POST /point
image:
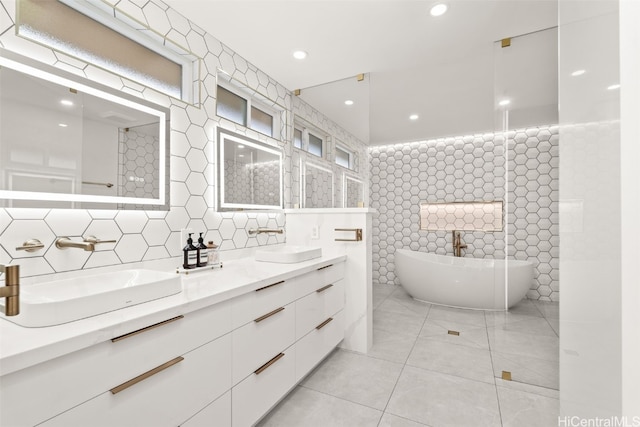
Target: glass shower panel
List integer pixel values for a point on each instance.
(526, 119)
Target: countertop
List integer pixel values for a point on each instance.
(22, 347)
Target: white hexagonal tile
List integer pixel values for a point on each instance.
(102, 259)
(67, 259)
(196, 183)
(19, 231)
(68, 222)
(131, 248)
(24, 213)
(156, 232)
(196, 207)
(5, 220)
(177, 218)
(156, 252)
(104, 230)
(131, 221)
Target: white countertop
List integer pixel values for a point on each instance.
(21, 347)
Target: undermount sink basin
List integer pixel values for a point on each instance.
(61, 301)
(288, 254)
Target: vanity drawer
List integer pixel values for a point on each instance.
(323, 276)
(259, 392)
(314, 346)
(166, 398)
(217, 414)
(263, 300)
(318, 306)
(260, 339)
(37, 393)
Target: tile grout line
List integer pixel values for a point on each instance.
(404, 365)
(493, 371)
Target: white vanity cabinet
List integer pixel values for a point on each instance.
(226, 364)
(31, 396)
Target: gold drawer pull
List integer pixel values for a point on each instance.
(326, 266)
(266, 316)
(147, 328)
(262, 368)
(269, 286)
(325, 323)
(324, 288)
(146, 375)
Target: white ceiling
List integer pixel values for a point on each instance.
(442, 69)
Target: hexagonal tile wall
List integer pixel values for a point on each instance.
(470, 168)
(144, 233)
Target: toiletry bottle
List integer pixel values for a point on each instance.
(190, 254)
(213, 256)
(202, 252)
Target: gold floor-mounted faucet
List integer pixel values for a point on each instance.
(458, 246)
(11, 290)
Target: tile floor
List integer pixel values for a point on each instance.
(417, 374)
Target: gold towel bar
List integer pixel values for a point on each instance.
(357, 231)
(146, 375)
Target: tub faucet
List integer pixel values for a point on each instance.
(457, 244)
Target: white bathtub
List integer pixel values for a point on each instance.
(462, 282)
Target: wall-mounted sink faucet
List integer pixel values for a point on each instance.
(11, 290)
(88, 244)
(457, 244)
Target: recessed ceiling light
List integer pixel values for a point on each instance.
(66, 102)
(438, 9)
(299, 54)
(240, 146)
(63, 125)
(504, 102)
(348, 102)
(578, 73)
(240, 155)
(614, 87)
(413, 117)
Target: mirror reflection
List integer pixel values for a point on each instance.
(318, 186)
(70, 144)
(250, 173)
(353, 193)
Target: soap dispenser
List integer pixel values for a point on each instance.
(190, 254)
(202, 252)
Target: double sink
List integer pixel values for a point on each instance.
(60, 301)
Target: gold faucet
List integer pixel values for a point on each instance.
(265, 230)
(457, 244)
(11, 290)
(88, 244)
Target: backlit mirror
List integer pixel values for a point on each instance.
(317, 184)
(67, 142)
(249, 173)
(353, 192)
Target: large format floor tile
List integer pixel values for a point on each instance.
(380, 293)
(391, 346)
(527, 369)
(408, 324)
(520, 409)
(389, 420)
(468, 334)
(355, 377)
(508, 321)
(511, 342)
(310, 408)
(404, 306)
(438, 399)
(453, 359)
(457, 315)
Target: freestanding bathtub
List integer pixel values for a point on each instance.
(462, 282)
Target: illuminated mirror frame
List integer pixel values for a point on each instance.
(226, 135)
(345, 195)
(54, 75)
(303, 182)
